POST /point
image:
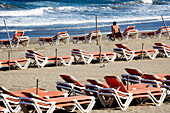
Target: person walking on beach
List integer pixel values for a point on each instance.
(116, 33)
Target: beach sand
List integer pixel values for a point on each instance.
(48, 76)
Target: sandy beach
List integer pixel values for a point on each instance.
(48, 76)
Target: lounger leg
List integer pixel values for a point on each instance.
(66, 64)
(166, 51)
(23, 67)
(156, 101)
(88, 109)
(154, 55)
(107, 58)
(105, 102)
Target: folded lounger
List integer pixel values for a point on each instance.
(61, 36)
(55, 103)
(88, 38)
(41, 60)
(158, 33)
(18, 38)
(129, 54)
(16, 62)
(163, 49)
(79, 55)
(124, 96)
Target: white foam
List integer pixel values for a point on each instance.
(28, 12)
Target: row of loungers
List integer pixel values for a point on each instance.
(115, 90)
(129, 32)
(83, 97)
(78, 55)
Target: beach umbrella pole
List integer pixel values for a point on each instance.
(165, 26)
(9, 58)
(142, 50)
(100, 50)
(8, 34)
(37, 87)
(96, 32)
(56, 56)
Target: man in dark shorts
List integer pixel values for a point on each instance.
(116, 33)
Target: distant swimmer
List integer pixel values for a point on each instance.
(116, 33)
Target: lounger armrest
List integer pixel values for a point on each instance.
(152, 82)
(131, 76)
(91, 88)
(111, 91)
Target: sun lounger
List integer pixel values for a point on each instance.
(124, 96)
(16, 62)
(18, 38)
(79, 55)
(129, 32)
(72, 85)
(158, 33)
(41, 60)
(136, 76)
(10, 98)
(129, 54)
(88, 38)
(61, 102)
(163, 49)
(61, 36)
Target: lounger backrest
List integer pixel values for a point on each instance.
(162, 28)
(71, 79)
(134, 71)
(78, 52)
(97, 82)
(18, 33)
(6, 91)
(129, 28)
(60, 33)
(123, 46)
(167, 77)
(33, 95)
(151, 77)
(115, 82)
(161, 44)
(35, 52)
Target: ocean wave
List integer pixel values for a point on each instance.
(26, 12)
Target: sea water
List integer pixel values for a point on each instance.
(40, 18)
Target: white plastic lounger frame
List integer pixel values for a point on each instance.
(107, 58)
(113, 93)
(23, 67)
(42, 61)
(129, 55)
(87, 58)
(93, 34)
(72, 89)
(51, 105)
(163, 50)
(7, 100)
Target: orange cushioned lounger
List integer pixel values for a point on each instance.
(129, 54)
(124, 97)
